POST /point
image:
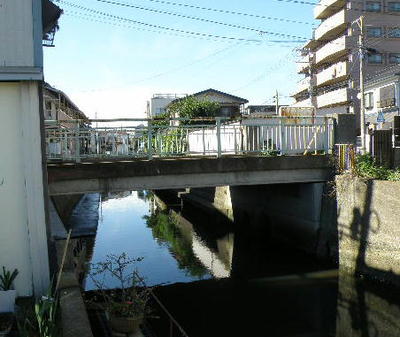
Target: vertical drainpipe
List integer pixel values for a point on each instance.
(38, 62)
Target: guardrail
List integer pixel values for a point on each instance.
(77, 140)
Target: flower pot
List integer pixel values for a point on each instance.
(7, 300)
(125, 324)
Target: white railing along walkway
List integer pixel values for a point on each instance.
(143, 138)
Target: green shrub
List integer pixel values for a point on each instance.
(366, 167)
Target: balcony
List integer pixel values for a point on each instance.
(303, 65)
(306, 102)
(334, 49)
(332, 98)
(333, 26)
(325, 8)
(335, 73)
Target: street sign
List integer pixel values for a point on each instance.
(380, 118)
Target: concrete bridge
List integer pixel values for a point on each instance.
(187, 153)
(185, 172)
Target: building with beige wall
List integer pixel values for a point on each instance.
(24, 24)
(330, 60)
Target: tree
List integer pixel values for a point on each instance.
(191, 107)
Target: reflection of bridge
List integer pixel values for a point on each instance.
(181, 153)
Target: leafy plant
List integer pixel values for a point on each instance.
(131, 297)
(190, 107)
(7, 279)
(366, 167)
(41, 320)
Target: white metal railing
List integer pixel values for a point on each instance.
(145, 138)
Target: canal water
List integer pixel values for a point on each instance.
(219, 280)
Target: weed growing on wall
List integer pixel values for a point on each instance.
(367, 168)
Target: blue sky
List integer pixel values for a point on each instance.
(113, 66)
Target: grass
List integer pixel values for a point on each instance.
(366, 167)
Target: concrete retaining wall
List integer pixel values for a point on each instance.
(369, 227)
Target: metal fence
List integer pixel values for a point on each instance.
(143, 138)
(345, 158)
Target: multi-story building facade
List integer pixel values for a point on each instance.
(331, 59)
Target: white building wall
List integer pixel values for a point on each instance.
(23, 240)
(16, 32)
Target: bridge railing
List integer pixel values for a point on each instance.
(77, 140)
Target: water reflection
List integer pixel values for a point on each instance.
(123, 227)
(192, 247)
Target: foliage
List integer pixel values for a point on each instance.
(130, 299)
(7, 279)
(270, 153)
(190, 107)
(42, 320)
(366, 167)
(165, 231)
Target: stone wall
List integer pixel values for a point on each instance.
(369, 227)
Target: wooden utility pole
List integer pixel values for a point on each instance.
(362, 101)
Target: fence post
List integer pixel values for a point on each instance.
(327, 147)
(283, 136)
(77, 143)
(218, 120)
(149, 140)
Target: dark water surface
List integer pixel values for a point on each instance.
(221, 280)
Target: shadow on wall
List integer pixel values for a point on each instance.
(367, 237)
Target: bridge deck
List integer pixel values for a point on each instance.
(95, 176)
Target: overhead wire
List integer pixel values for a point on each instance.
(223, 37)
(299, 39)
(226, 11)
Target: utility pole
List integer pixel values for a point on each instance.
(361, 51)
(277, 102)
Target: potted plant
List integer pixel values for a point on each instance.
(7, 293)
(127, 305)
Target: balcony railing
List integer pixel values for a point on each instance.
(183, 137)
(326, 8)
(303, 64)
(332, 98)
(334, 49)
(332, 26)
(335, 73)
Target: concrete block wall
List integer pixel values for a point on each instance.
(368, 225)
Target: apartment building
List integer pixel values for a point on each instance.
(330, 60)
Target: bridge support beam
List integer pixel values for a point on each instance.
(186, 172)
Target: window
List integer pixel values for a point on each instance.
(394, 58)
(375, 58)
(369, 100)
(394, 32)
(373, 6)
(374, 31)
(393, 6)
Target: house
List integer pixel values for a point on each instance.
(57, 106)
(230, 105)
(382, 99)
(24, 243)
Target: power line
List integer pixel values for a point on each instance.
(122, 4)
(299, 39)
(228, 38)
(225, 11)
